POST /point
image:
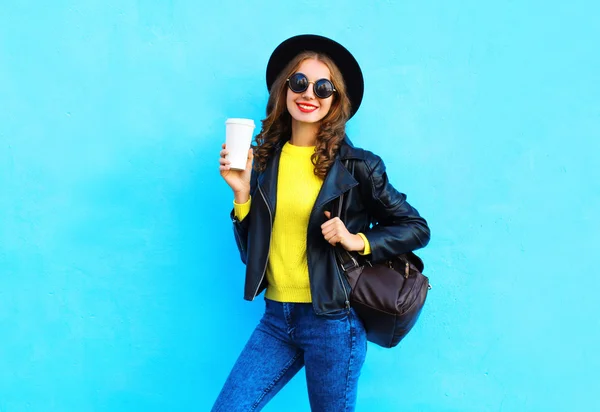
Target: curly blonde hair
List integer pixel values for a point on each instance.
(277, 126)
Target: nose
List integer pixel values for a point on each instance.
(309, 93)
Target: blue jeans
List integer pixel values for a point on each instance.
(288, 337)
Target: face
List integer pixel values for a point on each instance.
(305, 106)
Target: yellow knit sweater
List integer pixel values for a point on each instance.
(297, 190)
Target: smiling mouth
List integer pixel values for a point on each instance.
(305, 108)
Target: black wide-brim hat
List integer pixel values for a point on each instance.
(342, 58)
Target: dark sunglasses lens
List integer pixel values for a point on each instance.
(298, 83)
(323, 88)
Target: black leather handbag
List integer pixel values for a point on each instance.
(387, 296)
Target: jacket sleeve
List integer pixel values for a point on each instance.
(241, 228)
(241, 210)
(240, 232)
(397, 227)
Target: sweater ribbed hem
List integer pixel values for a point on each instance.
(289, 295)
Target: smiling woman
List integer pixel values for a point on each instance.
(324, 117)
(285, 233)
(304, 105)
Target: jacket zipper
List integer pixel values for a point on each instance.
(345, 291)
(270, 236)
(339, 214)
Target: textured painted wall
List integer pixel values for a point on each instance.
(120, 284)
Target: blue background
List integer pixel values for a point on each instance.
(120, 283)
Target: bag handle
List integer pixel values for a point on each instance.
(346, 260)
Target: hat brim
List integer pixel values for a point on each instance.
(342, 58)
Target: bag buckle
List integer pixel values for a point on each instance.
(350, 264)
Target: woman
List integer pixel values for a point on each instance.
(285, 232)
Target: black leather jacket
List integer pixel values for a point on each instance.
(371, 206)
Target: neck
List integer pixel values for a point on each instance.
(304, 134)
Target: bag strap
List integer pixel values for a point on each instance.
(346, 259)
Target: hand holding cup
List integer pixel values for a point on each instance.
(238, 180)
(236, 157)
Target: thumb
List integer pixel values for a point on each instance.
(328, 215)
(250, 158)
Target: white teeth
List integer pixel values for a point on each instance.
(307, 107)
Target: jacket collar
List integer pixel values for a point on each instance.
(337, 181)
(348, 151)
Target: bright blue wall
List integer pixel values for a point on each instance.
(120, 283)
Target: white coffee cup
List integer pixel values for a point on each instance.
(238, 140)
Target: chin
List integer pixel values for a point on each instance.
(307, 118)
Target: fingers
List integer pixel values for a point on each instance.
(329, 233)
(223, 162)
(334, 238)
(335, 221)
(332, 233)
(333, 230)
(250, 158)
(224, 165)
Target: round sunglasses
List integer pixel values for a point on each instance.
(298, 83)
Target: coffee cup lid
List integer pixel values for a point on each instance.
(246, 122)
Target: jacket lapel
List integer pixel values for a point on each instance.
(268, 180)
(337, 181)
